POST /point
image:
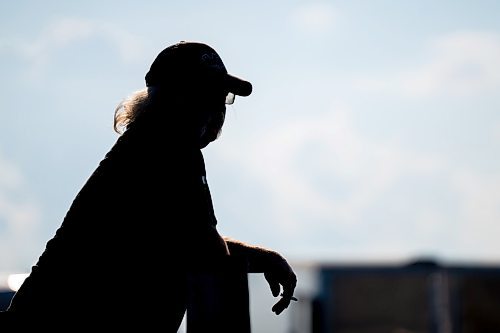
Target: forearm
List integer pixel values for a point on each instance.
(278, 273)
(258, 258)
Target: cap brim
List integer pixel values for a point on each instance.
(238, 86)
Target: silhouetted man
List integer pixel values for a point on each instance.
(143, 223)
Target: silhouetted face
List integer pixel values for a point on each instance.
(215, 111)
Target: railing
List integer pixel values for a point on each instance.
(219, 302)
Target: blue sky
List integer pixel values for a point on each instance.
(372, 133)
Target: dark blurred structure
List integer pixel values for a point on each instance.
(5, 297)
(421, 297)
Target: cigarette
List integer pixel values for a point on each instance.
(291, 298)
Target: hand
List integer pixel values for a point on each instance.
(280, 274)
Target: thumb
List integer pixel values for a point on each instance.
(273, 283)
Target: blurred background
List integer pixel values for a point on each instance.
(371, 138)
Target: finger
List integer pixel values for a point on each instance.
(288, 289)
(281, 305)
(273, 284)
(291, 298)
(275, 288)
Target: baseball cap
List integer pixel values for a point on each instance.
(188, 61)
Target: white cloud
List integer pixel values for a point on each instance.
(324, 176)
(62, 33)
(65, 31)
(460, 64)
(307, 161)
(315, 18)
(19, 217)
(496, 132)
(10, 177)
(480, 207)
